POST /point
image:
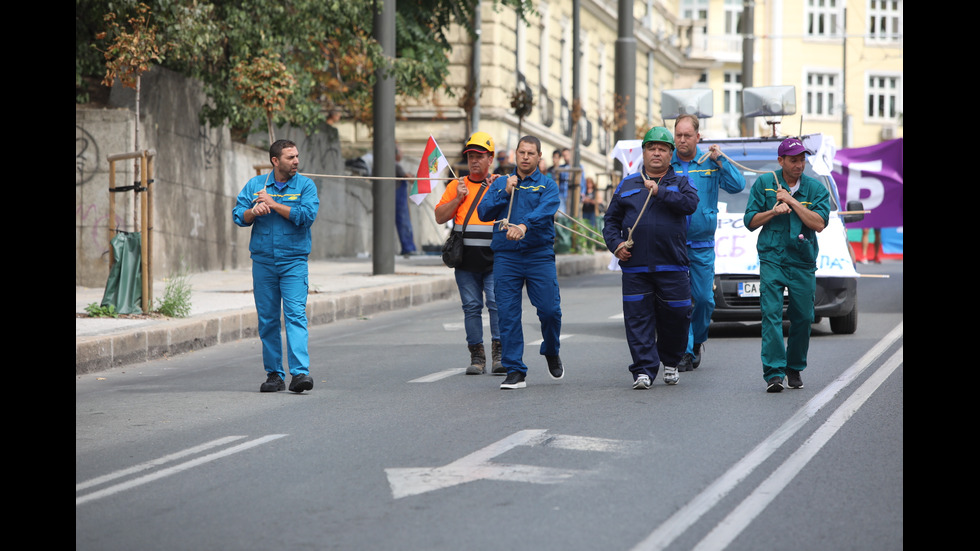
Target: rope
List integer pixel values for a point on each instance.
(576, 220)
(629, 237)
(600, 243)
(743, 167)
(505, 223)
(586, 226)
(346, 176)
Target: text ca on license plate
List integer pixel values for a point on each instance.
(751, 289)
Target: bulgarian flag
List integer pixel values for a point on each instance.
(432, 165)
(630, 154)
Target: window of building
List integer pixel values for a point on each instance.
(694, 9)
(565, 83)
(583, 73)
(884, 97)
(733, 17)
(822, 93)
(732, 92)
(546, 104)
(885, 20)
(601, 112)
(651, 114)
(824, 18)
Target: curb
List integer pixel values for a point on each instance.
(177, 336)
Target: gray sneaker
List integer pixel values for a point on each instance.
(670, 375)
(642, 382)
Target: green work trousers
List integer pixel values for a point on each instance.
(801, 284)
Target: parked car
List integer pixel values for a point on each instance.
(737, 262)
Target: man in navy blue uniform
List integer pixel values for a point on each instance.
(646, 228)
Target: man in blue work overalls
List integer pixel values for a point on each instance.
(524, 253)
(281, 206)
(708, 177)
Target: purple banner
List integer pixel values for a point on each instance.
(872, 175)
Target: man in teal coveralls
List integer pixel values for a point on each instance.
(791, 208)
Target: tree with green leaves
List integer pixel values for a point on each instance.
(131, 50)
(264, 83)
(326, 45)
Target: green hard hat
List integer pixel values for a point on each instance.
(659, 134)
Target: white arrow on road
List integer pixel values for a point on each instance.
(478, 465)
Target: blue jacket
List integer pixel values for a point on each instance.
(708, 178)
(785, 240)
(273, 237)
(660, 239)
(535, 204)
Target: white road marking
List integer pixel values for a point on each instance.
(439, 375)
(584, 443)
(691, 513)
(539, 341)
(461, 326)
(105, 492)
(478, 465)
(618, 316)
(728, 529)
(155, 463)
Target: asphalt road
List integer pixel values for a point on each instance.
(396, 449)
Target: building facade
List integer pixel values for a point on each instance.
(844, 59)
(845, 65)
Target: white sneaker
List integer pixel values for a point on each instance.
(670, 375)
(642, 382)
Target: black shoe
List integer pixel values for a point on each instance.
(793, 378)
(515, 379)
(301, 382)
(273, 383)
(698, 352)
(775, 385)
(555, 368)
(686, 363)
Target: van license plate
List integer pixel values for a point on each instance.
(748, 288)
(751, 289)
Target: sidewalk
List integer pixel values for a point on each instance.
(222, 308)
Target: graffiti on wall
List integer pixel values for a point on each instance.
(212, 148)
(95, 224)
(86, 156)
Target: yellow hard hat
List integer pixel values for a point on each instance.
(479, 141)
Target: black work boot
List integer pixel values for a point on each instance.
(478, 360)
(498, 367)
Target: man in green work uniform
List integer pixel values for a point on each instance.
(791, 208)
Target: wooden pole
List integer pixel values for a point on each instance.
(143, 239)
(112, 211)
